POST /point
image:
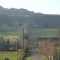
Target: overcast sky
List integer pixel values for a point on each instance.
(43, 6)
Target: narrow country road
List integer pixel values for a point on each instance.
(35, 56)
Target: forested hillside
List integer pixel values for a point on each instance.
(16, 17)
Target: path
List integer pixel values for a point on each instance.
(34, 55)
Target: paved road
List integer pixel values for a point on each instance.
(35, 56)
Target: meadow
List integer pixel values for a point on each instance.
(12, 55)
(45, 32)
(10, 35)
(37, 32)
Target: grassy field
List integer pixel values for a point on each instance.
(11, 55)
(10, 35)
(45, 32)
(37, 32)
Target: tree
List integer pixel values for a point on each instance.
(47, 49)
(2, 43)
(7, 59)
(8, 44)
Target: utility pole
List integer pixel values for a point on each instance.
(58, 53)
(58, 43)
(17, 49)
(23, 38)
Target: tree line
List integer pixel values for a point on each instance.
(7, 45)
(17, 17)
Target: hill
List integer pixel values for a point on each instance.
(16, 17)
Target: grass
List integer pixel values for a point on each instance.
(45, 32)
(37, 32)
(13, 35)
(27, 58)
(12, 55)
(10, 35)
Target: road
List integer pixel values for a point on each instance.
(34, 55)
(31, 41)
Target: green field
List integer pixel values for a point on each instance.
(12, 35)
(45, 32)
(37, 32)
(12, 55)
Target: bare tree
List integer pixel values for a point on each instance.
(47, 49)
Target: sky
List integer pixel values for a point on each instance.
(42, 6)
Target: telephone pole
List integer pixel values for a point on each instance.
(23, 38)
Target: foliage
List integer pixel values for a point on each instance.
(28, 58)
(47, 49)
(12, 55)
(6, 45)
(45, 32)
(7, 59)
(17, 17)
(37, 32)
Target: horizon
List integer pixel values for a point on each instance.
(41, 6)
(29, 10)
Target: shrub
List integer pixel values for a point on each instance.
(7, 59)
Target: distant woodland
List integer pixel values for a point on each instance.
(17, 17)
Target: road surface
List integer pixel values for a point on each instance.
(34, 55)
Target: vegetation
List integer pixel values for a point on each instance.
(47, 49)
(45, 32)
(11, 21)
(7, 45)
(37, 32)
(12, 35)
(16, 17)
(27, 58)
(12, 55)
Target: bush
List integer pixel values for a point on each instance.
(7, 59)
